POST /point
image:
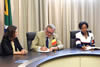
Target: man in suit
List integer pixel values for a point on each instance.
(46, 39)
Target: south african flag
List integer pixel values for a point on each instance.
(7, 14)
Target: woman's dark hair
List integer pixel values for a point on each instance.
(82, 23)
(10, 32)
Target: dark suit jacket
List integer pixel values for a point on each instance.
(7, 48)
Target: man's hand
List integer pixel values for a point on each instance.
(53, 48)
(43, 48)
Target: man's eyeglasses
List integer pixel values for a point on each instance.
(50, 32)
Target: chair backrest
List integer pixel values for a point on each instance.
(73, 38)
(30, 37)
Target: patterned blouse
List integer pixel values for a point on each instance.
(81, 40)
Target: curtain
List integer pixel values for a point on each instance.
(1, 19)
(35, 15)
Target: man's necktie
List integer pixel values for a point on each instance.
(47, 42)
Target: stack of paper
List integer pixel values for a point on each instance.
(89, 48)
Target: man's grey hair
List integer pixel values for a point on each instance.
(51, 26)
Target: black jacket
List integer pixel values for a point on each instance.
(7, 48)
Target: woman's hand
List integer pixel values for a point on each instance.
(84, 47)
(22, 52)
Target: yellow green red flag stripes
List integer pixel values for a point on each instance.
(54, 42)
(7, 13)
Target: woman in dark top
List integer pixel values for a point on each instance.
(10, 43)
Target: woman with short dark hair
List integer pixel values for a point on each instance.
(10, 43)
(84, 38)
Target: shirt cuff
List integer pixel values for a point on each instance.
(60, 46)
(38, 48)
